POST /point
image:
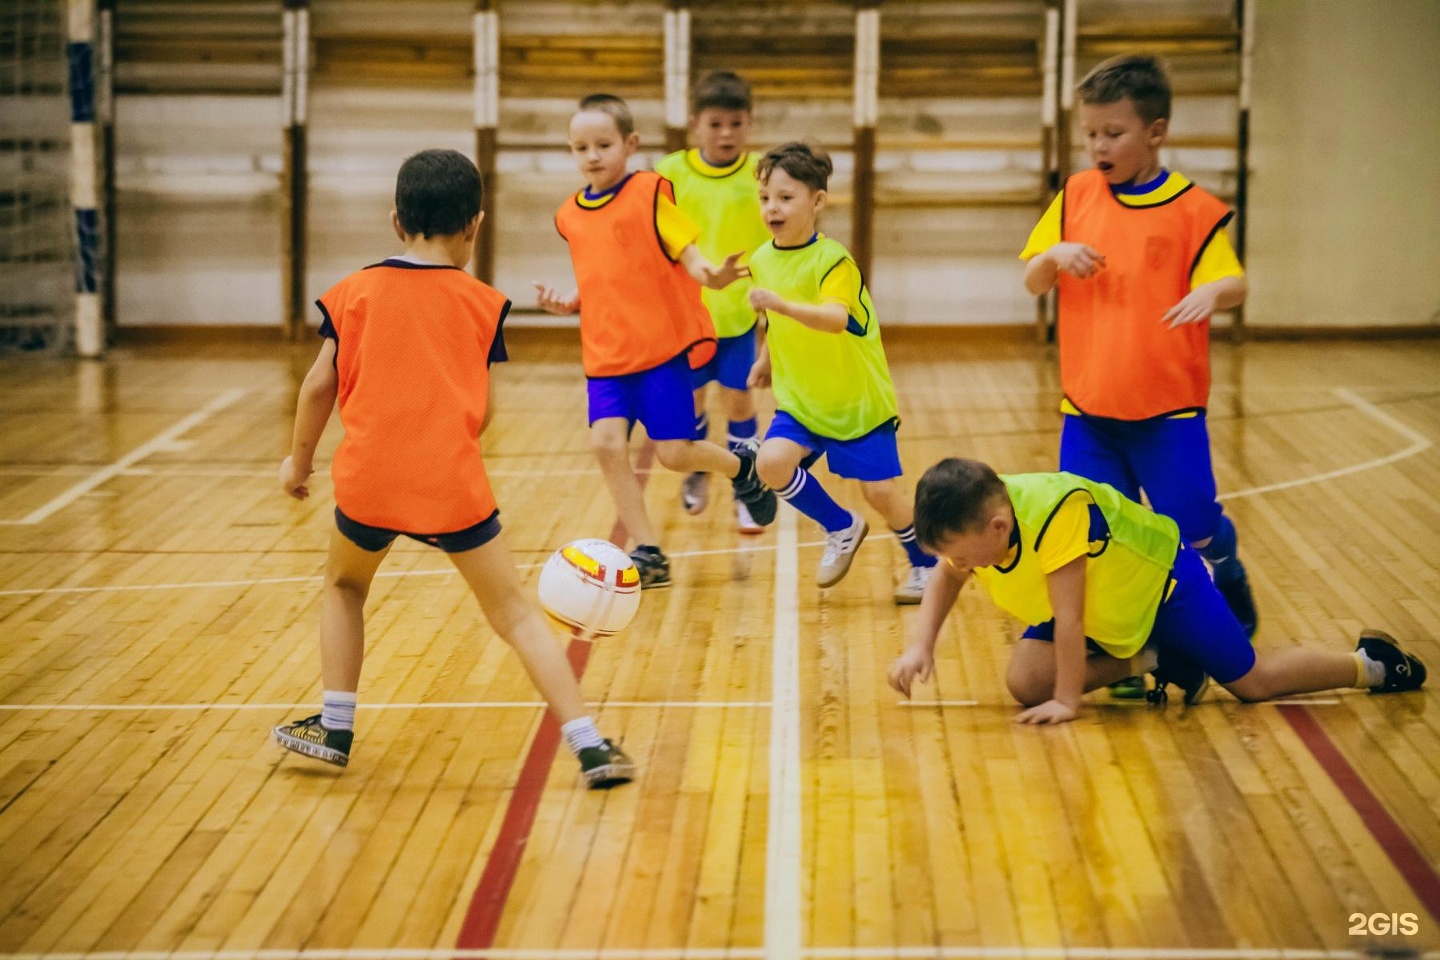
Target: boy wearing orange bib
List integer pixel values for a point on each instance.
(643, 326)
(407, 348)
(1141, 260)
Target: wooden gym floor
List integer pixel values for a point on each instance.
(158, 615)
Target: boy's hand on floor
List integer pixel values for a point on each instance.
(916, 663)
(1051, 711)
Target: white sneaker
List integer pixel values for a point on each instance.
(840, 548)
(744, 522)
(912, 588)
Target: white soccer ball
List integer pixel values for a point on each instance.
(590, 586)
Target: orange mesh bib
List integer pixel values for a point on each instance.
(413, 365)
(1117, 359)
(638, 308)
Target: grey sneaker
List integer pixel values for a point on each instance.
(695, 492)
(840, 548)
(912, 588)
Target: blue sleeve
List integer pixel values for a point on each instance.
(327, 326)
(498, 353)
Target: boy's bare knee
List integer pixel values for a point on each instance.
(1026, 689)
(673, 454)
(774, 468)
(608, 446)
(347, 584)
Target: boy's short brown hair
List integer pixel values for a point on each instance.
(810, 165)
(1141, 78)
(616, 107)
(722, 90)
(437, 193)
(954, 496)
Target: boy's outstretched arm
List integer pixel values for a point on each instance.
(826, 317)
(1077, 259)
(707, 274)
(1066, 587)
(550, 300)
(1205, 299)
(918, 660)
(312, 412)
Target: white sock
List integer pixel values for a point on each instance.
(1144, 662)
(581, 733)
(1370, 673)
(338, 710)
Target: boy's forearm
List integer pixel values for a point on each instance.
(1069, 662)
(312, 413)
(1040, 274)
(1229, 292)
(824, 317)
(936, 603)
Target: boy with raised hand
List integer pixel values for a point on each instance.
(1141, 259)
(642, 324)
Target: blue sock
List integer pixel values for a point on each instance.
(702, 426)
(741, 431)
(805, 494)
(918, 557)
(1221, 552)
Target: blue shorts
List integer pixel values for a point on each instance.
(731, 364)
(1193, 621)
(660, 398)
(375, 539)
(872, 457)
(1167, 458)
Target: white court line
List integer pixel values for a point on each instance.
(154, 445)
(1418, 443)
(783, 908)
(268, 474)
(436, 705)
(740, 953)
(938, 703)
(384, 574)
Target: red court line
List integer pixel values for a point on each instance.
(1412, 864)
(487, 904)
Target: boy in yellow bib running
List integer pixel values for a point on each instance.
(715, 187)
(833, 393)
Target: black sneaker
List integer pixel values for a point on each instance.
(605, 766)
(1182, 672)
(310, 738)
(1240, 600)
(653, 565)
(751, 490)
(1402, 670)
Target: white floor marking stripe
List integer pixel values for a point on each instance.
(1418, 443)
(154, 445)
(436, 705)
(384, 574)
(783, 841)
(740, 953)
